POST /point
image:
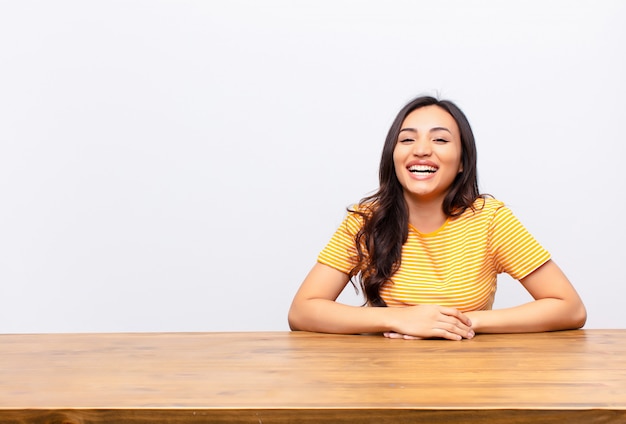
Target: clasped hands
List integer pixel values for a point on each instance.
(429, 321)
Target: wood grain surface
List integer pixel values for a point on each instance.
(571, 376)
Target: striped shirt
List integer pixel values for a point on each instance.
(455, 266)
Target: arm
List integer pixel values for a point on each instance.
(557, 306)
(314, 308)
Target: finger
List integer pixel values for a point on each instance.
(445, 334)
(454, 324)
(407, 337)
(457, 329)
(393, 335)
(457, 314)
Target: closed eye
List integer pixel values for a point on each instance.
(441, 140)
(406, 140)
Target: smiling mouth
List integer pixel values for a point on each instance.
(422, 169)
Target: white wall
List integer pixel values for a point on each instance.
(178, 165)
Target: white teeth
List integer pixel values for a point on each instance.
(422, 168)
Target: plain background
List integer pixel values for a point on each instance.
(178, 165)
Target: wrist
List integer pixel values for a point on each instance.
(475, 318)
(388, 318)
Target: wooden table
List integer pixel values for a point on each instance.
(562, 377)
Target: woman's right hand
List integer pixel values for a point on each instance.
(429, 321)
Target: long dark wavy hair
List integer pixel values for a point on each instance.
(385, 213)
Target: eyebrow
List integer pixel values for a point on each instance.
(431, 130)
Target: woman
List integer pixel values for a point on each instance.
(429, 246)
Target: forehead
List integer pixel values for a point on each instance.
(428, 117)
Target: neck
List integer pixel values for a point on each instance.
(426, 215)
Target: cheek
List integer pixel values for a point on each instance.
(398, 163)
(395, 153)
(459, 160)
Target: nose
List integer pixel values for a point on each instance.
(422, 147)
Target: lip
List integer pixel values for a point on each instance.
(423, 163)
(421, 176)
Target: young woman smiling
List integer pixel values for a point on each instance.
(427, 247)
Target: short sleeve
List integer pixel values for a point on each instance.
(340, 252)
(515, 251)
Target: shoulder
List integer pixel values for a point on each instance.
(361, 211)
(498, 216)
(485, 212)
(488, 204)
(355, 217)
(484, 207)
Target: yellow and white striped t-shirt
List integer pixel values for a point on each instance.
(454, 266)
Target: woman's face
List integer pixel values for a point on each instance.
(427, 156)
